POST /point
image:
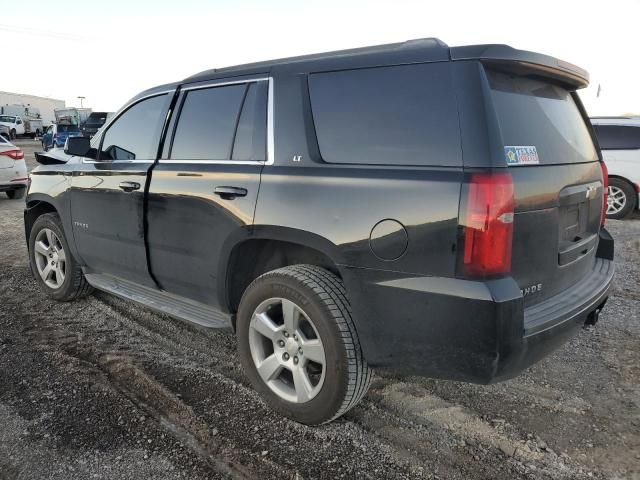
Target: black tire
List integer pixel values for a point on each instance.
(13, 134)
(74, 285)
(17, 193)
(323, 297)
(630, 198)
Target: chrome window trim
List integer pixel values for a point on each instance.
(270, 127)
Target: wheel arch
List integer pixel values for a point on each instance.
(36, 207)
(255, 251)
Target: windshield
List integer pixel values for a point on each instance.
(68, 128)
(534, 113)
(7, 118)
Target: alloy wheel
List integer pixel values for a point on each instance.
(50, 257)
(616, 200)
(287, 350)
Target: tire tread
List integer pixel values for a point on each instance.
(331, 291)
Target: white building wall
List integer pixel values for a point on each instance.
(44, 104)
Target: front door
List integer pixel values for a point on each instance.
(107, 193)
(204, 189)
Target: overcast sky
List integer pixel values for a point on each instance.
(110, 50)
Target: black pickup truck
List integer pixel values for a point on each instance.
(424, 209)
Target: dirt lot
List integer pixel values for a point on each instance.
(102, 388)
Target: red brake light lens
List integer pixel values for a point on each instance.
(605, 191)
(488, 225)
(15, 154)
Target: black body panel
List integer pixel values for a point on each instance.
(189, 225)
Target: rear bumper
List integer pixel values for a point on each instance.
(7, 187)
(464, 330)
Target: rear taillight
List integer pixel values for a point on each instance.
(15, 154)
(605, 191)
(488, 224)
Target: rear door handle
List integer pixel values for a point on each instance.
(229, 193)
(129, 186)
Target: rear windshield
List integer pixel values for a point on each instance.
(533, 113)
(617, 137)
(68, 128)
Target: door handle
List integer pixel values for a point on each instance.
(129, 186)
(229, 193)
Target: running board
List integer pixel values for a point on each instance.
(161, 301)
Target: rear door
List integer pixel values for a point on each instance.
(557, 179)
(203, 191)
(107, 194)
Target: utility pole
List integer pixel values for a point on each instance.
(81, 99)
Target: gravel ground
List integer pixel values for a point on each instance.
(103, 388)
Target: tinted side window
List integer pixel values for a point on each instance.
(207, 123)
(402, 115)
(616, 137)
(136, 133)
(251, 134)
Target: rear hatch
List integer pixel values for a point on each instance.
(557, 182)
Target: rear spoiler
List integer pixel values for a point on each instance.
(522, 62)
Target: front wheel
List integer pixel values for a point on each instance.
(621, 198)
(13, 135)
(52, 263)
(299, 346)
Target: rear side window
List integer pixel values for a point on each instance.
(401, 115)
(535, 113)
(207, 123)
(617, 137)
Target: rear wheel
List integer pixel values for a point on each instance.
(52, 264)
(13, 134)
(299, 346)
(17, 193)
(621, 199)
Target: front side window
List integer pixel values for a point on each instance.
(400, 115)
(135, 134)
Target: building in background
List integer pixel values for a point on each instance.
(44, 104)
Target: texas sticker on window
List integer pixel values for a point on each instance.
(521, 155)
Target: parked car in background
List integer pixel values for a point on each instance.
(619, 139)
(93, 123)
(13, 170)
(21, 126)
(445, 228)
(5, 132)
(56, 135)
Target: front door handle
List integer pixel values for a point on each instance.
(229, 193)
(129, 186)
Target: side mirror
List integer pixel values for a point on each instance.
(77, 146)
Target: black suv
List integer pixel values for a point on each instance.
(430, 210)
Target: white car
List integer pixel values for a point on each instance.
(619, 139)
(13, 170)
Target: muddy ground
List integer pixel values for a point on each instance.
(103, 388)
